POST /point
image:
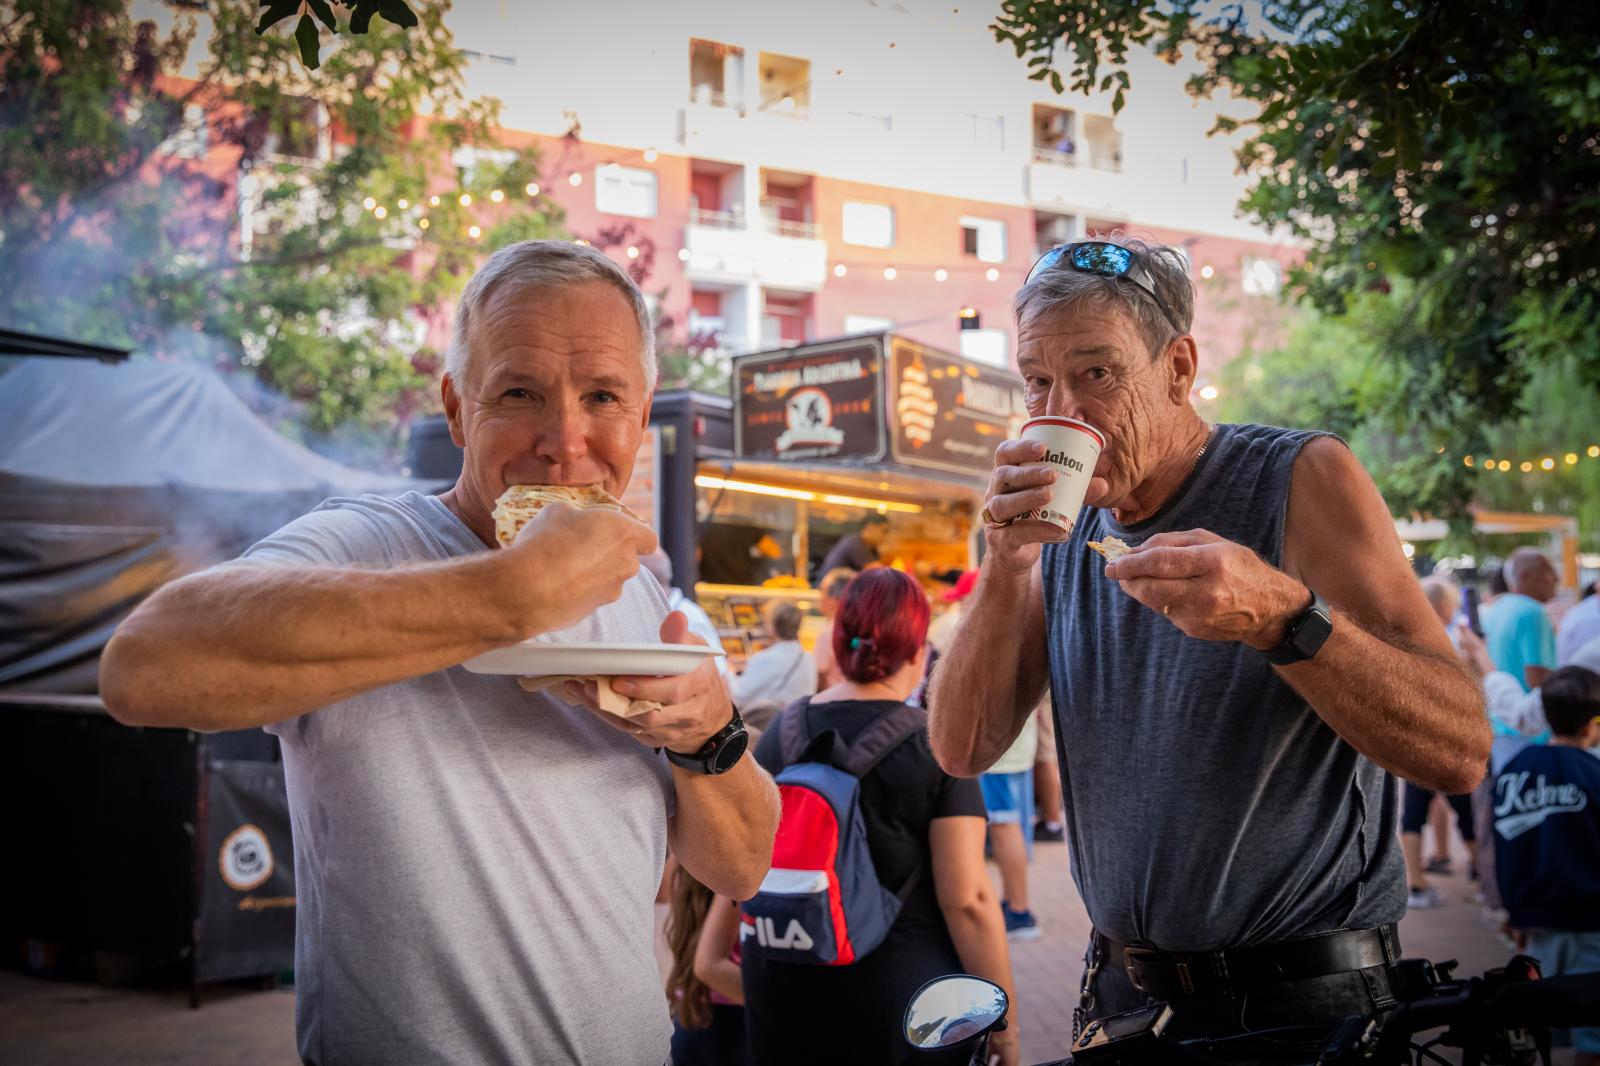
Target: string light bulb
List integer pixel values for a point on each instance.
(650, 155)
(1467, 461)
(633, 251)
(1594, 451)
(380, 212)
(839, 270)
(1527, 467)
(889, 273)
(403, 203)
(532, 188)
(369, 203)
(422, 223)
(941, 274)
(992, 274)
(1571, 458)
(466, 199)
(433, 201)
(1547, 463)
(1505, 464)
(497, 196)
(575, 180)
(474, 232)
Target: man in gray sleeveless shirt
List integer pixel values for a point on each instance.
(475, 865)
(1232, 698)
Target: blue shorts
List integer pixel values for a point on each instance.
(1562, 952)
(1008, 798)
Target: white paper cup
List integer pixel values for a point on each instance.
(1071, 448)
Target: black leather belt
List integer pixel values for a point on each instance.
(1231, 973)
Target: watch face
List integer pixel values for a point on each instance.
(729, 752)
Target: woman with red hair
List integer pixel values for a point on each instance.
(925, 832)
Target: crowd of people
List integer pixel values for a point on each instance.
(1214, 722)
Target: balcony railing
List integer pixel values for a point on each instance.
(699, 216)
(706, 96)
(1097, 160)
(1054, 156)
(806, 231)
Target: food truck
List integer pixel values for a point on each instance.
(824, 434)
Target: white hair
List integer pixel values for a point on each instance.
(537, 265)
(1524, 564)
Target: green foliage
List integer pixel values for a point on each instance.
(1446, 148)
(113, 229)
(1332, 373)
(309, 40)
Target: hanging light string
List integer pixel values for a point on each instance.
(1544, 464)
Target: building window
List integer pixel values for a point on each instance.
(868, 225)
(984, 238)
(1103, 141)
(867, 324)
(474, 163)
(987, 131)
(190, 139)
(620, 190)
(299, 131)
(986, 346)
(716, 73)
(1259, 276)
(1055, 135)
(785, 85)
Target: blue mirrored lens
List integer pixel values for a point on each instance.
(1046, 261)
(1102, 258)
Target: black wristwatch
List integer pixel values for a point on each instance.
(719, 754)
(1305, 635)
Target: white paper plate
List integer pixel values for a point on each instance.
(546, 660)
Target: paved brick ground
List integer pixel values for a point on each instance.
(45, 1022)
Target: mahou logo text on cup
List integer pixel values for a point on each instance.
(1072, 447)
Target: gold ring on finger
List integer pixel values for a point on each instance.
(989, 522)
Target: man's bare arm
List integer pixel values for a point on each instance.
(251, 645)
(1386, 680)
(723, 830)
(996, 671)
(994, 675)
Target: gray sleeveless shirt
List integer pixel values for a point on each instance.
(1207, 805)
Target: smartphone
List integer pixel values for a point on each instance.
(1469, 609)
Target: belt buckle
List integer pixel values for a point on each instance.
(1136, 959)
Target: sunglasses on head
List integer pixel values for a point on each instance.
(1108, 260)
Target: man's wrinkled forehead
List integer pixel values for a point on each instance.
(1077, 332)
(564, 328)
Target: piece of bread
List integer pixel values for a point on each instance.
(517, 505)
(610, 701)
(1111, 549)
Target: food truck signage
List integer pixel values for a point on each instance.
(949, 414)
(816, 404)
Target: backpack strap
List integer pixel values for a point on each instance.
(793, 734)
(882, 737)
(875, 744)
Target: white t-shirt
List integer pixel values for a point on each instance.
(475, 865)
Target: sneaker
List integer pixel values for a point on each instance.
(1049, 832)
(1020, 925)
(1438, 865)
(1422, 899)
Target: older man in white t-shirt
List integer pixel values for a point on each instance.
(475, 865)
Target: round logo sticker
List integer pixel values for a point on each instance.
(246, 858)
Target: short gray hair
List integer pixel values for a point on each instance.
(1523, 564)
(1441, 592)
(543, 265)
(1063, 288)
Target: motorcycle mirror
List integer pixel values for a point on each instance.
(953, 1010)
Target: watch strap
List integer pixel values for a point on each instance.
(1305, 635)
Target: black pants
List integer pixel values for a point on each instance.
(1319, 1003)
(1417, 800)
(719, 1044)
